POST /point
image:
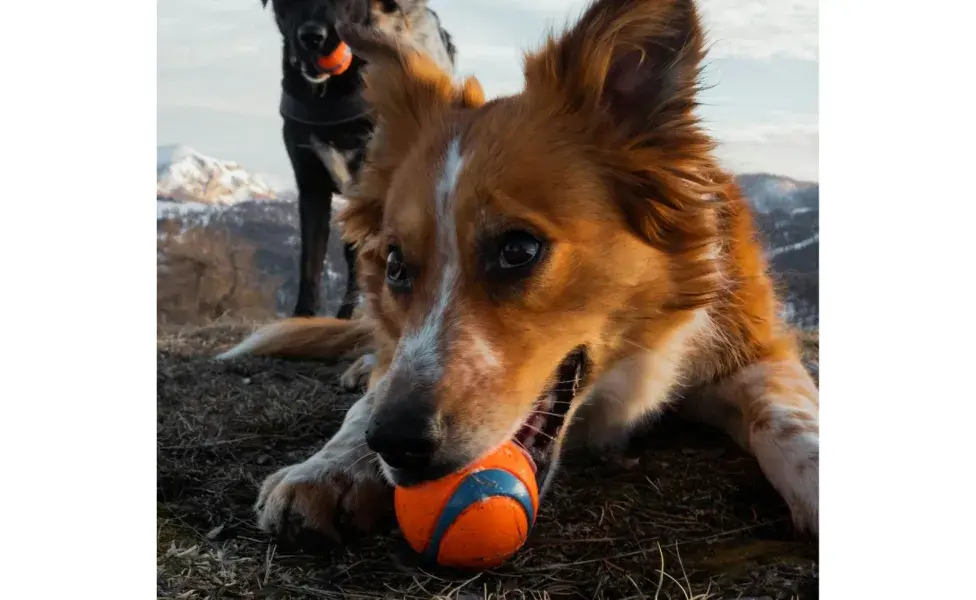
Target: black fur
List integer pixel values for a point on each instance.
(332, 111)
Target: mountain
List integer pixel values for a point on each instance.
(183, 175)
(787, 214)
(195, 191)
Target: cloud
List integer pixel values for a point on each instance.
(736, 28)
(762, 28)
(772, 125)
(777, 142)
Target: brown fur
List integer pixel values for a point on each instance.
(305, 337)
(654, 264)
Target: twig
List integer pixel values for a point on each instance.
(213, 443)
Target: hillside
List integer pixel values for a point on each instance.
(256, 217)
(195, 191)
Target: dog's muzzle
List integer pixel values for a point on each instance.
(323, 55)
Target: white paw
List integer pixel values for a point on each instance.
(791, 462)
(326, 494)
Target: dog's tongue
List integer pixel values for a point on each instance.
(337, 61)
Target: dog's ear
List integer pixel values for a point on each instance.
(628, 75)
(407, 91)
(634, 62)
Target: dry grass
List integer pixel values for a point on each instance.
(696, 519)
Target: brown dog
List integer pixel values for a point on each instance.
(572, 253)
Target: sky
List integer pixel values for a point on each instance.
(218, 72)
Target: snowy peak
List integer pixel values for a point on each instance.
(184, 175)
(774, 193)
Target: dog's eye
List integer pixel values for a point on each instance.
(396, 271)
(518, 249)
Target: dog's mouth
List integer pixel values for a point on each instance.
(317, 68)
(540, 434)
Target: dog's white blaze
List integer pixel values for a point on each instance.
(483, 351)
(420, 349)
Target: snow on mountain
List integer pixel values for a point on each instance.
(771, 193)
(804, 243)
(184, 176)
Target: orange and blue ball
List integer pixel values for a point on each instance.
(476, 518)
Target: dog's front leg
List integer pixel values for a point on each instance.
(771, 409)
(341, 483)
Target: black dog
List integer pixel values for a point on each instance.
(326, 122)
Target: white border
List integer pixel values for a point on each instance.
(897, 163)
(77, 428)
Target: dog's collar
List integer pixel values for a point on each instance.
(324, 110)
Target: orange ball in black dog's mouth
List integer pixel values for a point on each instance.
(336, 62)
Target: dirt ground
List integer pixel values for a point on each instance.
(695, 519)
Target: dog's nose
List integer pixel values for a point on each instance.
(405, 435)
(312, 36)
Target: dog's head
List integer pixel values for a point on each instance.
(506, 247)
(309, 30)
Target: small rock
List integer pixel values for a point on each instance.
(213, 533)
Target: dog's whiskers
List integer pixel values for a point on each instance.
(521, 445)
(562, 381)
(369, 455)
(351, 450)
(539, 431)
(562, 402)
(542, 412)
(633, 343)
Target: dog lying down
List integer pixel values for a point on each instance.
(579, 230)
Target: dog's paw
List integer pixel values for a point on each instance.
(792, 465)
(357, 375)
(325, 497)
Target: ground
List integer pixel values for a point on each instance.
(694, 519)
